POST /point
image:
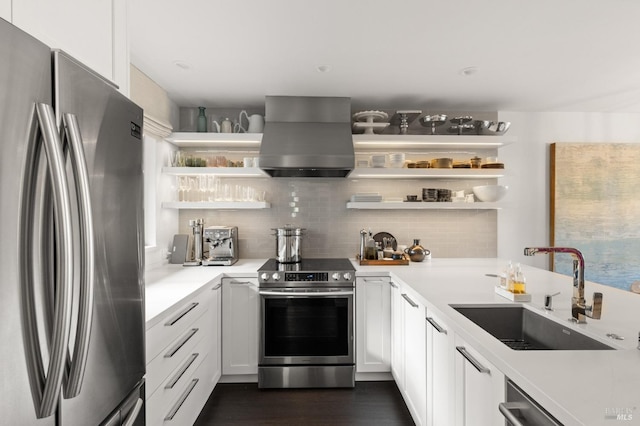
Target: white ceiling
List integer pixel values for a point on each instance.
(545, 55)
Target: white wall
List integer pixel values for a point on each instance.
(160, 116)
(332, 230)
(525, 220)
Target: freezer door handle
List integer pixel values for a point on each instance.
(78, 363)
(135, 412)
(61, 318)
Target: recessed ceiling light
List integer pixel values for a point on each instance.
(469, 71)
(182, 65)
(324, 68)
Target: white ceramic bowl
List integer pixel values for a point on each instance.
(490, 193)
(378, 160)
(396, 160)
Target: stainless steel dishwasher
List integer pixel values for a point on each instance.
(521, 410)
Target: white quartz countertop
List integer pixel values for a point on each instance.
(577, 387)
(171, 284)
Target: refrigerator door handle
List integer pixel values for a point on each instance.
(87, 249)
(64, 248)
(135, 412)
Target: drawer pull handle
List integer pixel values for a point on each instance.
(183, 369)
(366, 280)
(435, 325)
(217, 287)
(181, 400)
(180, 315)
(481, 368)
(509, 410)
(181, 343)
(392, 284)
(234, 282)
(411, 302)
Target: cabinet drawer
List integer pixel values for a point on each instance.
(192, 397)
(176, 353)
(159, 336)
(175, 384)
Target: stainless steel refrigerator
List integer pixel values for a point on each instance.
(71, 235)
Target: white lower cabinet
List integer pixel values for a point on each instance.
(479, 388)
(240, 326)
(397, 335)
(373, 324)
(215, 353)
(409, 350)
(440, 371)
(415, 355)
(183, 365)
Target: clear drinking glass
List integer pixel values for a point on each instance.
(193, 186)
(181, 159)
(227, 194)
(202, 186)
(211, 188)
(183, 186)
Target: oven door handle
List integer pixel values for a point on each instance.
(306, 294)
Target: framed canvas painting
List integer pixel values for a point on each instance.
(595, 207)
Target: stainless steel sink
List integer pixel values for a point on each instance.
(521, 329)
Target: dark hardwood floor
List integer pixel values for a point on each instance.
(370, 403)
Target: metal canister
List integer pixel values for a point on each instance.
(288, 244)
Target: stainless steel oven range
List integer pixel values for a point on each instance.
(307, 324)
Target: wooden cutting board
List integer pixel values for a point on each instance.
(376, 262)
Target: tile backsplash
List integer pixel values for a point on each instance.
(332, 230)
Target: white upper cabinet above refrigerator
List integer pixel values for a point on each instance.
(94, 32)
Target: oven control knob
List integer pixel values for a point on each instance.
(275, 276)
(335, 276)
(347, 276)
(264, 276)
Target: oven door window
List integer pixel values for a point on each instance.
(307, 326)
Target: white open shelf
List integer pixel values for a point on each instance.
(215, 140)
(426, 142)
(360, 142)
(401, 205)
(389, 173)
(217, 205)
(218, 171)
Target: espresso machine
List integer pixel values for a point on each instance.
(223, 245)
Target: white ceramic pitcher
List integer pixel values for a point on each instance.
(255, 123)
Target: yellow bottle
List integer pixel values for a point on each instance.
(519, 282)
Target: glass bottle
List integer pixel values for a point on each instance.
(520, 282)
(202, 120)
(511, 277)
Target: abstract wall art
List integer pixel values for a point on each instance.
(595, 207)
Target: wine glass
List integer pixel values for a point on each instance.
(183, 185)
(202, 186)
(211, 187)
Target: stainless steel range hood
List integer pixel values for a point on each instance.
(307, 137)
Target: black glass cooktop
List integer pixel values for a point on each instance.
(309, 265)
